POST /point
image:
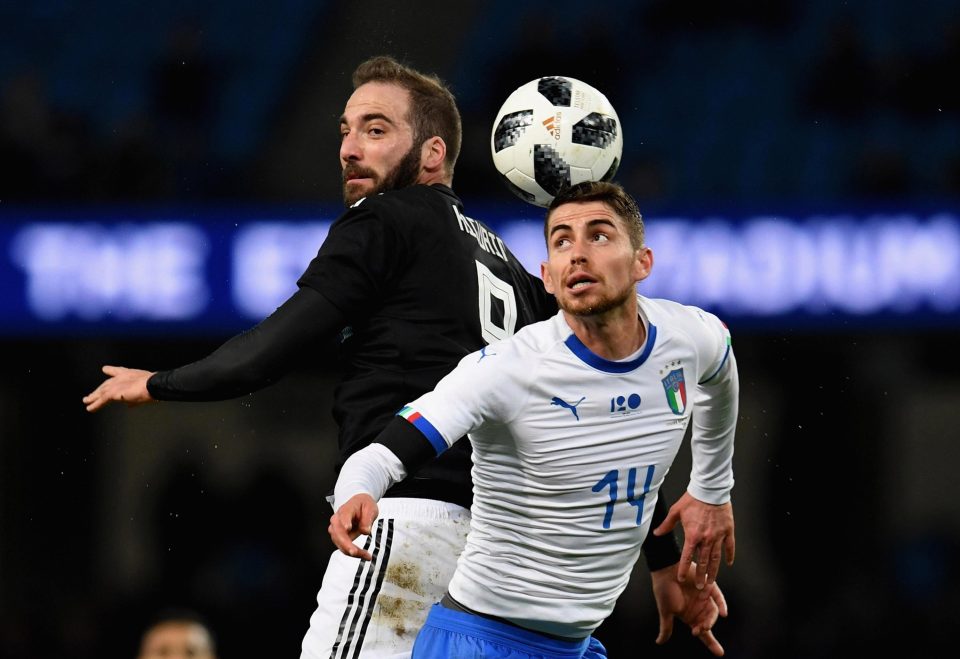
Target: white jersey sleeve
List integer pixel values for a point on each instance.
(716, 404)
(371, 470)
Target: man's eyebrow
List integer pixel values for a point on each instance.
(590, 223)
(372, 116)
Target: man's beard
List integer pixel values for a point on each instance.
(403, 175)
(601, 306)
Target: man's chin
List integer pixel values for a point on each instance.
(353, 192)
(589, 306)
(577, 307)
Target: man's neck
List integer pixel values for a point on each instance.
(432, 178)
(614, 335)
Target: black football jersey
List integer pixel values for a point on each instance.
(422, 285)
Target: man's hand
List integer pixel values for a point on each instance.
(352, 519)
(707, 530)
(127, 385)
(682, 599)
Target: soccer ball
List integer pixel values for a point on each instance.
(554, 132)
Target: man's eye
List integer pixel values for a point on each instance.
(600, 237)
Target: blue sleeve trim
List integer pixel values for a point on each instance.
(720, 367)
(433, 435)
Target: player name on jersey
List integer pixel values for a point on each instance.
(489, 241)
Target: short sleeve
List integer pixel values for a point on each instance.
(357, 260)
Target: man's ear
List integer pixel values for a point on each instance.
(547, 279)
(433, 154)
(643, 264)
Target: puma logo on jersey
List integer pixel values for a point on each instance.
(559, 402)
(484, 353)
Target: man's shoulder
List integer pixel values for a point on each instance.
(538, 338)
(677, 318)
(515, 359)
(406, 207)
(668, 310)
(413, 195)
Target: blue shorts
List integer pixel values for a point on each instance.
(450, 634)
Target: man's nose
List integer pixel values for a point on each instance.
(577, 254)
(350, 148)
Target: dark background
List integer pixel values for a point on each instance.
(848, 521)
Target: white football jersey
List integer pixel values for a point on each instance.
(569, 452)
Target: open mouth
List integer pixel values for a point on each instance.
(580, 281)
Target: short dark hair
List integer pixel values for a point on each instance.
(433, 108)
(611, 194)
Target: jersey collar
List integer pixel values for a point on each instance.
(448, 191)
(591, 359)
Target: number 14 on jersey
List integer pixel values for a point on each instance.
(611, 480)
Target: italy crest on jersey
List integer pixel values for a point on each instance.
(676, 390)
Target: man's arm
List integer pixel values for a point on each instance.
(398, 450)
(245, 363)
(681, 598)
(705, 510)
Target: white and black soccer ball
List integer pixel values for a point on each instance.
(554, 132)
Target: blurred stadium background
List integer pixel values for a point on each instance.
(166, 170)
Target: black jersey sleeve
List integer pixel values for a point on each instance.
(660, 551)
(255, 358)
(358, 259)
